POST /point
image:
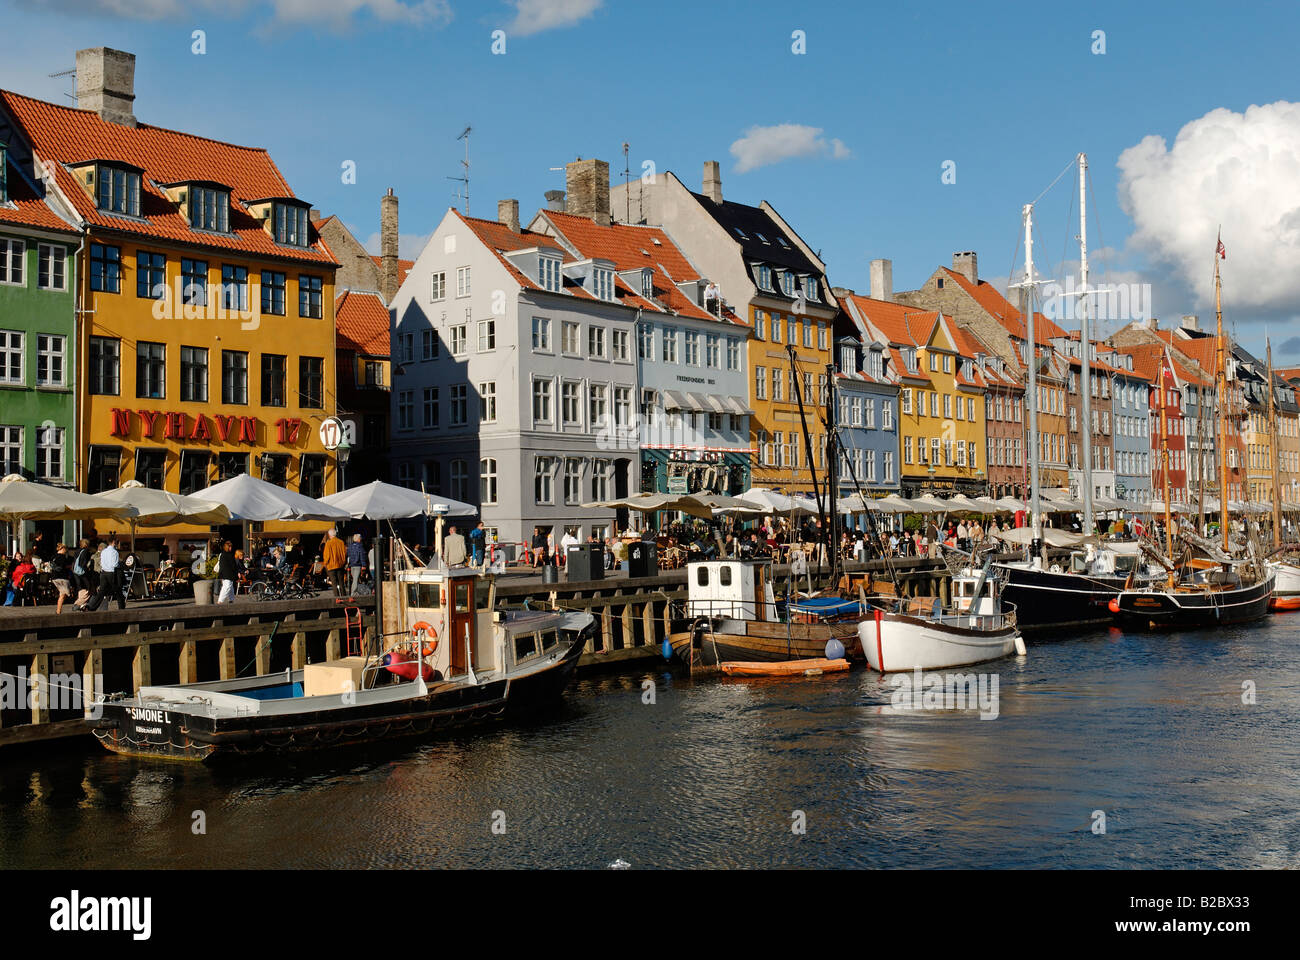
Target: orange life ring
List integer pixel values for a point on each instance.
(424, 627)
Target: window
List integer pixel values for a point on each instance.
(947, 406)
(49, 359)
(886, 415)
(541, 401)
(810, 293)
(311, 475)
(572, 480)
(715, 422)
(808, 334)
(194, 471)
(622, 406)
(934, 450)
(670, 344)
(105, 468)
(763, 274)
(487, 480)
(889, 467)
(542, 334)
(309, 296)
(600, 480)
(543, 491)
(459, 340)
(51, 267)
(462, 281)
(459, 404)
(692, 348)
(209, 209)
(429, 344)
(713, 351)
(645, 342)
(869, 412)
(934, 404)
(571, 402)
(12, 253)
(733, 353)
(438, 286)
(792, 330)
(947, 363)
(569, 338)
(459, 480)
(105, 366)
(49, 453)
(787, 283)
(290, 224)
(619, 344)
(273, 293)
(487, 402)
(119, 190)
(906, 399)
(548, 269)
(311, 382)
(934, 363)
(234, 376)
(105, 268)
(487, 335)
(430, 407)
(273, 365)
(405, 409)
(596, 343)
(234, 288)
(150, 468)
(597, 405)
(194, 282)
(760, 325)
(603, 284)
(150, 370)
(231, 465)
(194, 374)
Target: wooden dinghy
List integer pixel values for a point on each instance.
(812, 667)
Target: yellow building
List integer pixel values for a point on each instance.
(941, 398)
(206, 343)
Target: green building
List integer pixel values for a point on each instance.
(38, 371)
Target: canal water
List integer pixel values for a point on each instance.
(1148, 731)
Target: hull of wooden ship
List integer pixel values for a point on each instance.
(1191, 608)
(1044, 598)
(708, 643)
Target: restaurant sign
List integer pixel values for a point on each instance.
(178, 425)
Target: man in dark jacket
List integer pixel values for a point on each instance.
(356, 561)
(227, 573)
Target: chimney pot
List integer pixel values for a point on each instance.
(508, 214)
(712, 181)
(967, 265)
(106, 84)
(388, 246)
(587, 186)
(555, 200)
(882, 280)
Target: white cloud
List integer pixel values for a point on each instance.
(761, 146)
(534, 16)
(1241, 170)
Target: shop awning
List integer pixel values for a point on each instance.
(697, 402)
(674, 400)
(738, 406)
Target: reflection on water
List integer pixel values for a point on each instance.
(1149, 728)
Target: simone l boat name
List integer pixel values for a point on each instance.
(178, 425)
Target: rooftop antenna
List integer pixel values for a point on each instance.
(67, 73)
(464, 179)
(627, 196)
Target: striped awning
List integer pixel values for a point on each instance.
(675, 401)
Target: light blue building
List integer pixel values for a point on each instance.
(1131, 430)
(867, 414)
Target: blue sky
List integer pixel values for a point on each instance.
(885, 95)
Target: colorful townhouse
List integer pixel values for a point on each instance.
(1096, 429)
(1004, 425)
(1131, 425)
(206, 344)
(941, 396)
(867, 388)
(763, 272)
(692, 364)
(38, 278)
(1148, 358)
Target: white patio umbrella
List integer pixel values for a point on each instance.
(387, 501)
(778, 503)
(987, 505)
(929, 503)
(722, 505)
(23, 499)
(159, 508)
(893, 502)
(654, 502)
(248, 498)
(1011, 505)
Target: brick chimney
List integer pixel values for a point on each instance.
(106, 84)
(712, 181)
(882, 280)
(587, 184)
(555, 200)
(508, 214)
(967, 265)
(388, 246)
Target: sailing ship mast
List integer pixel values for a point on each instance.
(1273, 445)
(1085, 344)
(1035, 520)
(1164, 460)
(1221, 384)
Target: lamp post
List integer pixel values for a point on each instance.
(341, 454)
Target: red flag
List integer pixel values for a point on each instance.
(1221, 250)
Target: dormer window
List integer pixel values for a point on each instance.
(603, 284)
(763, 273)
(289, 224)
(4, 174)
(848, 359)
(876, 365)
(909, 358)
(119, 190)
(763, 238)
(740, 233)
(548, 269)
(647, 283)
(781, 240)
(810, 289)
(209, 209)
(787, 283)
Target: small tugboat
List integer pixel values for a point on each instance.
(920, 633)
(732, 615)
(450, 665)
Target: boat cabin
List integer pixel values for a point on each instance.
(963, 593)
(731, 589)
(441, 604)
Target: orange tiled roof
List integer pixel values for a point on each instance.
(65, 135)
(25, 208)
(361, 320)
(1000, 308)
(904, 325)
(403, 267)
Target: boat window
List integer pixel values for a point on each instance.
(1125, 564)
(1078, 563)
(724, 576)
(702, 576)
(423, 595)
(462, 596)
(550, 639)
(525, 646)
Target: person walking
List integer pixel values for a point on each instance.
(110, 576)
(334, 556)
(61, 574)
(227, 573)
(356, 561)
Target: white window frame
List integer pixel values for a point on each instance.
(8, 347)
(437, 286)
(46, 251)
(50, 355)
(463, 282)
(487, 401)
(13, 262)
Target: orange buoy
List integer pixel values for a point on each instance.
(1113, 605)
(423, 627)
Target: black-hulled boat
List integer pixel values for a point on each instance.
(1077, 593)
(452, 666)
(1195, 604)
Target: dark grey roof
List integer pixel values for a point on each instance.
(754, 221)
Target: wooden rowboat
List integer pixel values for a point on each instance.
(787, 668)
